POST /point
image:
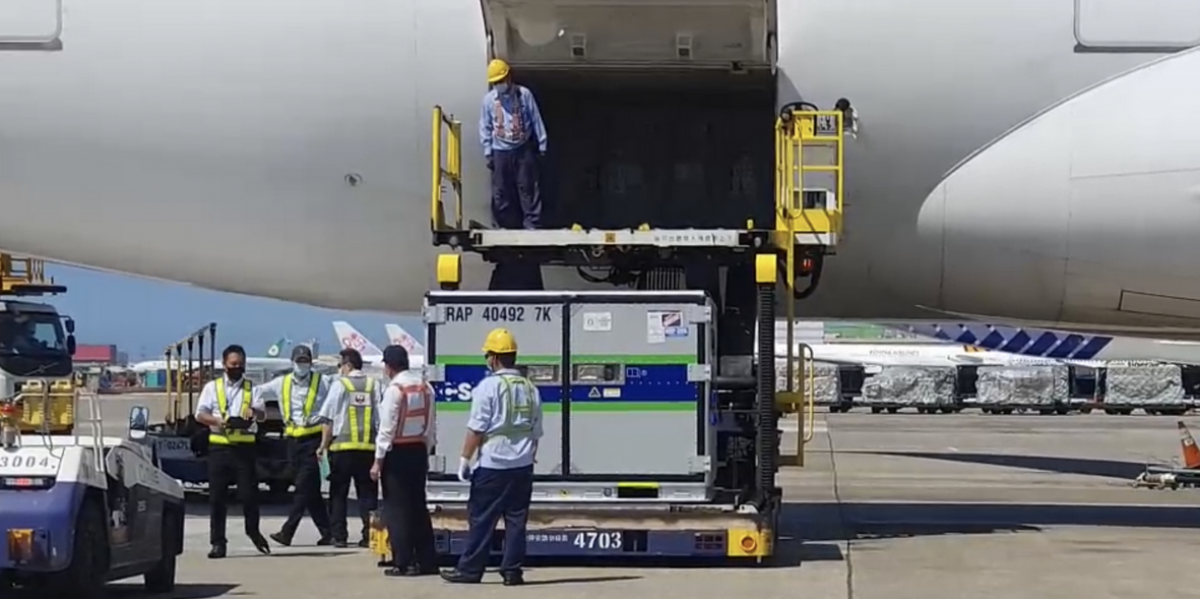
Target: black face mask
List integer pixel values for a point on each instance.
(234, 374)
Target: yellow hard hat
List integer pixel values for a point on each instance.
(500, 341)
(497, 70)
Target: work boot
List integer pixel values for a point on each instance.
(281, 538)
(261, 544)
(217, 551)
(513, 579)
(398, 572)
(340, 544)
(364, 543)
(456, 577)
(325, 542)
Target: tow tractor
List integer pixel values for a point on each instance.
(660, 400)
(79, 509)
(179, 443)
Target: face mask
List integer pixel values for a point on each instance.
(501, 87)
(234, 374)
(301, 370)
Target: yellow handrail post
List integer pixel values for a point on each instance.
(438, 215)
(809, 362)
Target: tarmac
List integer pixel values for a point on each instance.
(949, 506)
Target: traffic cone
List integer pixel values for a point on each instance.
(1191, 453)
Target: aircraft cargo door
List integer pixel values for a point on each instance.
(627, 33)
(30, 24)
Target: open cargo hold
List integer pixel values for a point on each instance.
(658, 113)
(674, 149)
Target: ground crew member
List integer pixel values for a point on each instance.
(402, 447)
(350, 418)
(514, 141)
(504, 427)
(301, 396)
(230, 408)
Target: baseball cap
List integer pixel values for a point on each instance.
(302, 353)
(395, 356)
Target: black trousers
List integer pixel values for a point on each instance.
(410, 529)
(302, 452)
(232, 464)
(495, 495)
(345, 467)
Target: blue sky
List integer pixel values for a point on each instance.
(142, 316)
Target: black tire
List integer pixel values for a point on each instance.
(88, 572)
(876, 409)
(162, 578)
(893, 410)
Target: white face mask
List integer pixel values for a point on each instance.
(501, 87)
(301, 370)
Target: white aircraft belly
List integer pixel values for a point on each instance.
(281, 148)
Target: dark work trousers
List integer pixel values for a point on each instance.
(346, 467)
(410, 530)
(302, 452)
(516, 197)
(497, 494)
(232, 464)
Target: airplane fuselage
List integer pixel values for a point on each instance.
(282, 150)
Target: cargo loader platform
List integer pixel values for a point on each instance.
(694, 475)
(615, 531)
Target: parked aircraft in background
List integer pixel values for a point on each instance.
(397, 335)
(371, 354)
(271, 362)
(1060, 345)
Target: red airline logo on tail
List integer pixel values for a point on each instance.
(354, 341)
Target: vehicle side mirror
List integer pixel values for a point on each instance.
(71, 345)
(70, 324)
(139, 422)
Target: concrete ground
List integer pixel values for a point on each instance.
(888, 507)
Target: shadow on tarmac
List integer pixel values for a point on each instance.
(831, 522)
(136, 589)
(1124, 470)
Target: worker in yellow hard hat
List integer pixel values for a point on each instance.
(514, 141)
(504, 427)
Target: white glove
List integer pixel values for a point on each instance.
(464, 470)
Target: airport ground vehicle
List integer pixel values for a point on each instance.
(81, 509)
(661, 403)
(178, 441)
(36, 345)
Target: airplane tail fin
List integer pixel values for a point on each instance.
(398, 336)
(276, 349)
(1191, 453)
(350, 338)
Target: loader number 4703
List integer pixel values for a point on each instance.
(598, 540)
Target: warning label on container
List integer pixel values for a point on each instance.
(661, 326)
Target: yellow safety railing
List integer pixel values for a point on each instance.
(808, 169)
(188, 367)
(22, 276)
(48, 406)
(799, 393)
(447, 168)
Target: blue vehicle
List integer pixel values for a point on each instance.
(78, 511)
